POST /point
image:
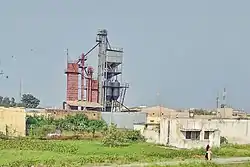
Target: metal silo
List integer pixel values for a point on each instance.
(109, 90)
(116, 90)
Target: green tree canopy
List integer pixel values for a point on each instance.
(96, 125)
(6, 101)
(1, 99)
(30, 101)
(12, 102)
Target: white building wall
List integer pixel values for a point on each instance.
(174, 135)
(152, 136)
(236, 131)
(150, 133)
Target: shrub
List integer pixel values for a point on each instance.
(74, 123)
(3, 136)
(116, 137)
(113, 137)
(43, 130)
(96, 125)
(133, 135)
(223, 140)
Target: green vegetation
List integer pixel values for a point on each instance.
(223, 140)
(207, 165)
(28, 101)
(114, 137)
(28, 152)
(111, 145)
(80, 125)
(39, 126)
(202, 112)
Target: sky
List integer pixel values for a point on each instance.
(177, 53)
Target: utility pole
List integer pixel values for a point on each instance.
(20, 90)
(217, 101)
(224, 97)
(1, 72)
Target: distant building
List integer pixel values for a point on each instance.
(188, 133)
(58, 113)
(13, 121)
(155, 113)
(230, 113)
(194, 132)
(181, 133)
(82, 105)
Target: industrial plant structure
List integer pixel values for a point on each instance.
(108, 89)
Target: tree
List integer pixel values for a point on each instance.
(30, 101)
(201, 112)
(113, 137)
(19, 105)
(6, 101)
(1, 99)
(96, 125)
(12, 102)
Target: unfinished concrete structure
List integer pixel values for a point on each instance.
(82, 105)
(230, 113)
(13, 121)
(155, 113)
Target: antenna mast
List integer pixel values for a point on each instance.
(224, 97)
(20, 90)
(217, 101)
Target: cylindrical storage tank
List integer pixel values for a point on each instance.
(109, 91)
(116, 90)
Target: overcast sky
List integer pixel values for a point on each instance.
(186, 50)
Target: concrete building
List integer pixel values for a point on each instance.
(194, 132)
(151, 131)
(13, 121)
(155, 113)
(82, 105)
(180, 133)
(236, 130)
(189, 133)
(230, 113)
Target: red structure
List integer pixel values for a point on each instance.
(72, 73)
(94, 92)
(92, 86)
(90, 90)
(82, 66)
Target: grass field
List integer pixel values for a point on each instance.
(208, 165)
(77, 153)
